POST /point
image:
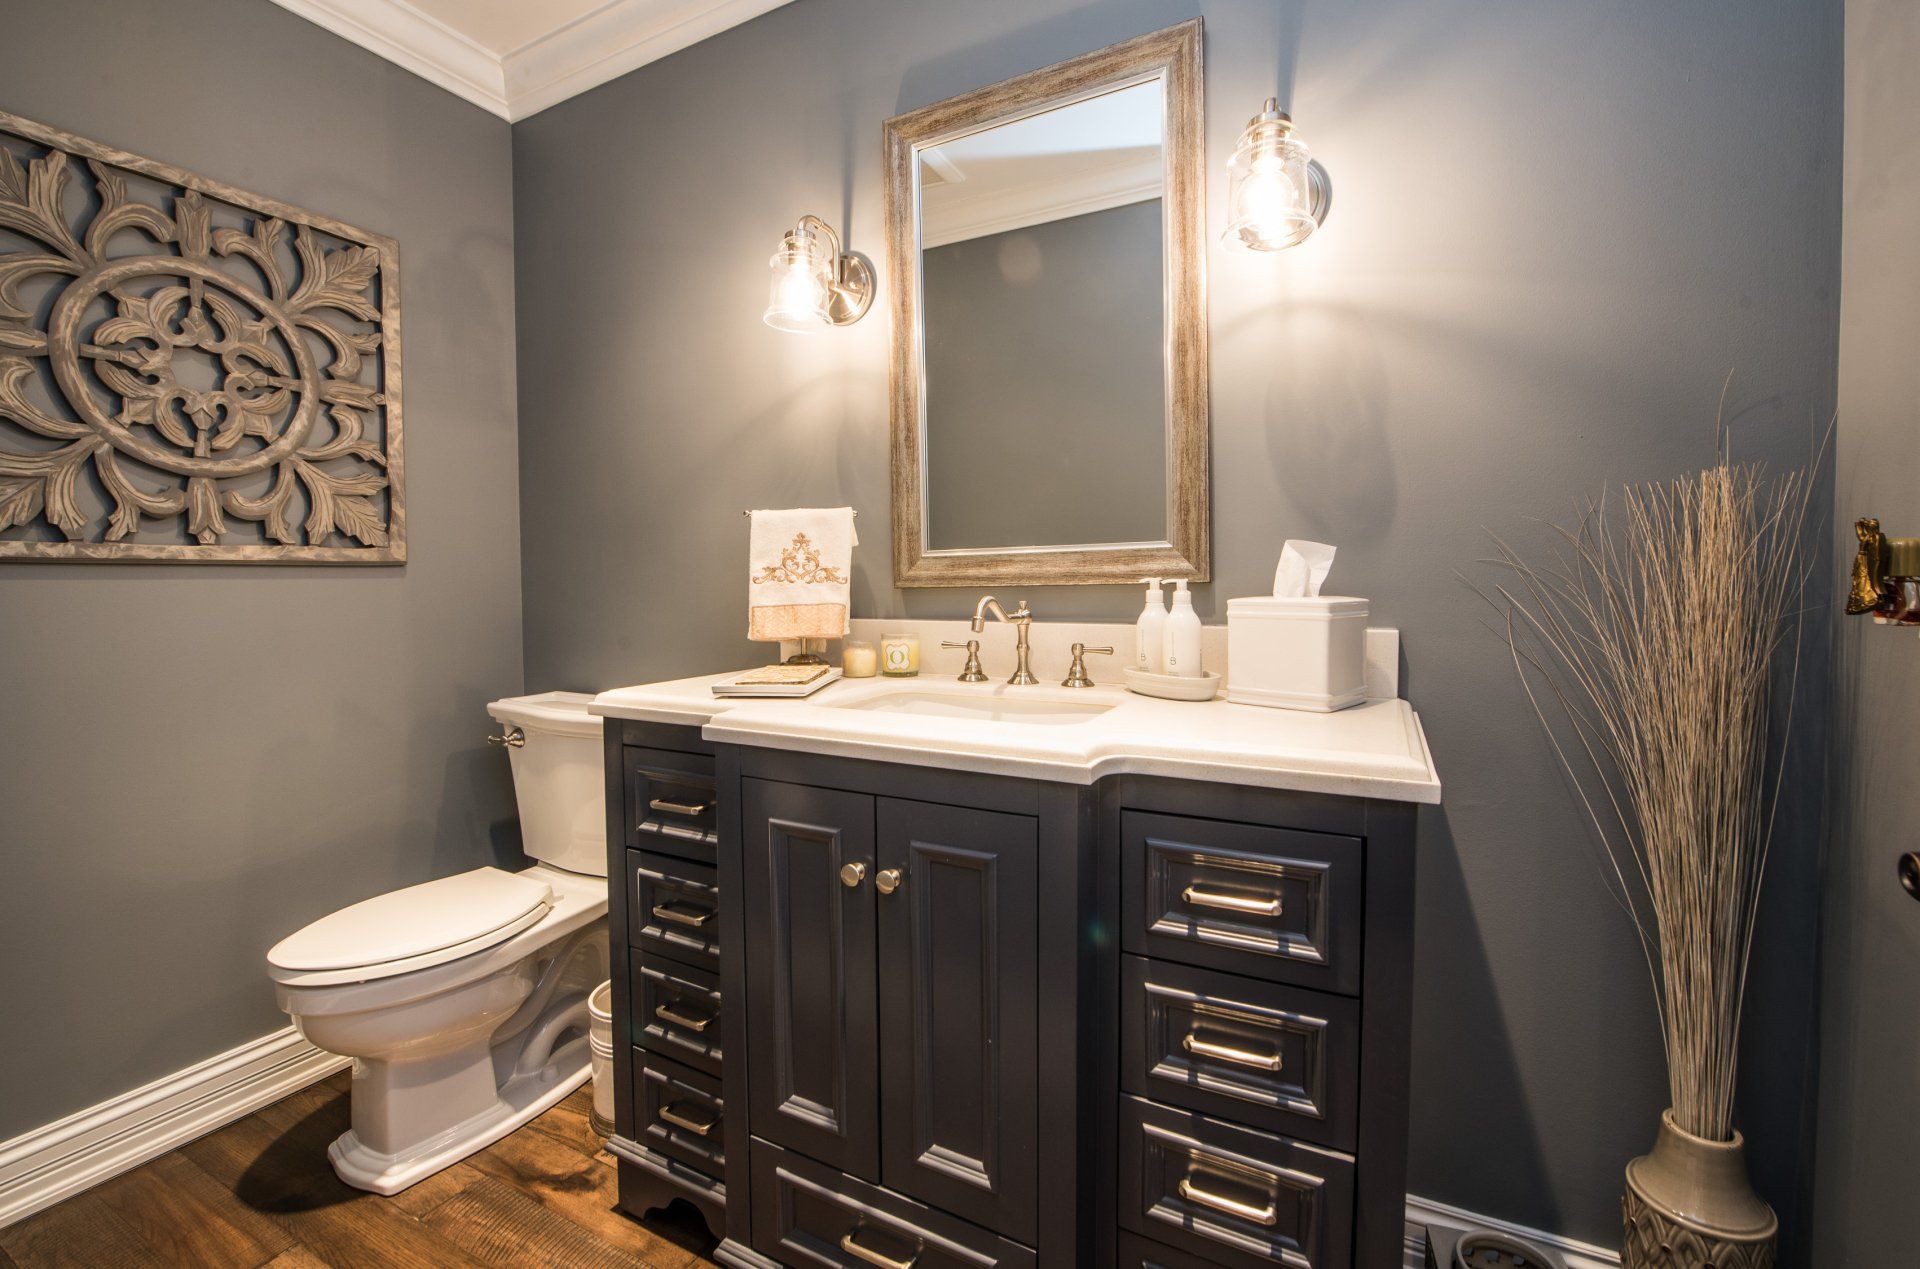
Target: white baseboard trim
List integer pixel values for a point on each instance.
(1420, 1212)
(39, 1168)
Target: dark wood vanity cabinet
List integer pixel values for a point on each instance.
(883, 1015)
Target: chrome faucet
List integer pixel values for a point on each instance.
(1021, 619)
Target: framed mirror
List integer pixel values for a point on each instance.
(1049, 372)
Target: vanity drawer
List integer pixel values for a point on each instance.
(673, 909)
(1231, 1195)
(671, 806)
(676, 1012)
(807, 1214)
(680, 1112)
(1276, 1057)
(1275, 903)
(1135, 1252)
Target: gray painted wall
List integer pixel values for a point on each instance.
(1046, 389)
(1556, 226)
(201, 759)
(1868, 1169)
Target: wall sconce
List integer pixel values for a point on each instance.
(1276, 195)
(815, 287)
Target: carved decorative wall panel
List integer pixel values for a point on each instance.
(189, 371)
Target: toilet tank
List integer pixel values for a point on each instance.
(559, 778)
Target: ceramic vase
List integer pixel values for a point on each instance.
(1689, 1205)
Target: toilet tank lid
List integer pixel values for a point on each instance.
(416, 921)
(560, 713)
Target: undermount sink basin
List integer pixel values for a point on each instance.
(994, 709)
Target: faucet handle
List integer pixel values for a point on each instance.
(1077, 672)
(973, 673)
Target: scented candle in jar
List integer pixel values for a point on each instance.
(859, 660)
(899, 655)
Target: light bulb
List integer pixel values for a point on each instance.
(797, 299)
(1270, 196)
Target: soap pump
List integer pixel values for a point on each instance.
(1183, 635)
(1150, 632)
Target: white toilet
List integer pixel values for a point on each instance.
(463, 1001)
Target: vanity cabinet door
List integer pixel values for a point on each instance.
(958, 1014)
(812, 1079)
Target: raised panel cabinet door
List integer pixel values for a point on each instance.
(808, 862)
(959, 1052)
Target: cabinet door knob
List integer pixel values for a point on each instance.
(888, 880)
(852, 874)
(1910, 873)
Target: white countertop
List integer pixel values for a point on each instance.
(1375, 749)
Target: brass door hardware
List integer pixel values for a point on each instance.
(1227, 1053)
(666, 806)
(1077, 672)
(973, 673)
(1221, 1203)
(1231, 902)
(888, 881)
(872, 1257)
(679, 1018)
(682, 913)
(692, 1118)
(852, 874)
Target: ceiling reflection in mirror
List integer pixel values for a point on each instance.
(1044, 327)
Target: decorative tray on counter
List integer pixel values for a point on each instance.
(1174, 687)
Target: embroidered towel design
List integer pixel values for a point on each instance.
(797, 570)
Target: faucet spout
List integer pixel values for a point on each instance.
(988, 604)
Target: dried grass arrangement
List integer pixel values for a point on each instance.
(1652, 644)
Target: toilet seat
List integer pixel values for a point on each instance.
(410, 929)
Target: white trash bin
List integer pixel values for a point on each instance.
(600, 1042)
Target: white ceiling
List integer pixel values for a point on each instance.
(517, 57)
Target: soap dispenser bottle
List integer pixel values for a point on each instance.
(1183, 635)
(1150, 632)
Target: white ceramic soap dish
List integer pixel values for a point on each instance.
(1174, 687)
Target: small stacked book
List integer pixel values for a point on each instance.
(779, 680)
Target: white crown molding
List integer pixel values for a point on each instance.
(617, 37)
(411, 39)
(1422, 1212)
(39, 1168)
(621, 36)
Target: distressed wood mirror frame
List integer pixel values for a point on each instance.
(1175, 55)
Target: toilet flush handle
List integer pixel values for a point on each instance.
(510, 738)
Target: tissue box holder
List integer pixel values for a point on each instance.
(1303, 653)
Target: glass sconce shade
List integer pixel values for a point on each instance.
(1276, 197)
(815, 284)
(802, 282)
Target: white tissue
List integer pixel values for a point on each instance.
(1303, 568)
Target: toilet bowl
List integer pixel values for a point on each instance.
(463, 1001)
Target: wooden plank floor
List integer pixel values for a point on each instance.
(261, 1192)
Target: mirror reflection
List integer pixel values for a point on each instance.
(1043, 302)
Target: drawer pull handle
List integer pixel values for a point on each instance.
(682, 913)
(667, 806)
(1220, 1203)
(872, 1257)
(1227, 1053)
(1231, 902)
(680, 1018)
(692, 1118)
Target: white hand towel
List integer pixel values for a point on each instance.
(799, 562)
